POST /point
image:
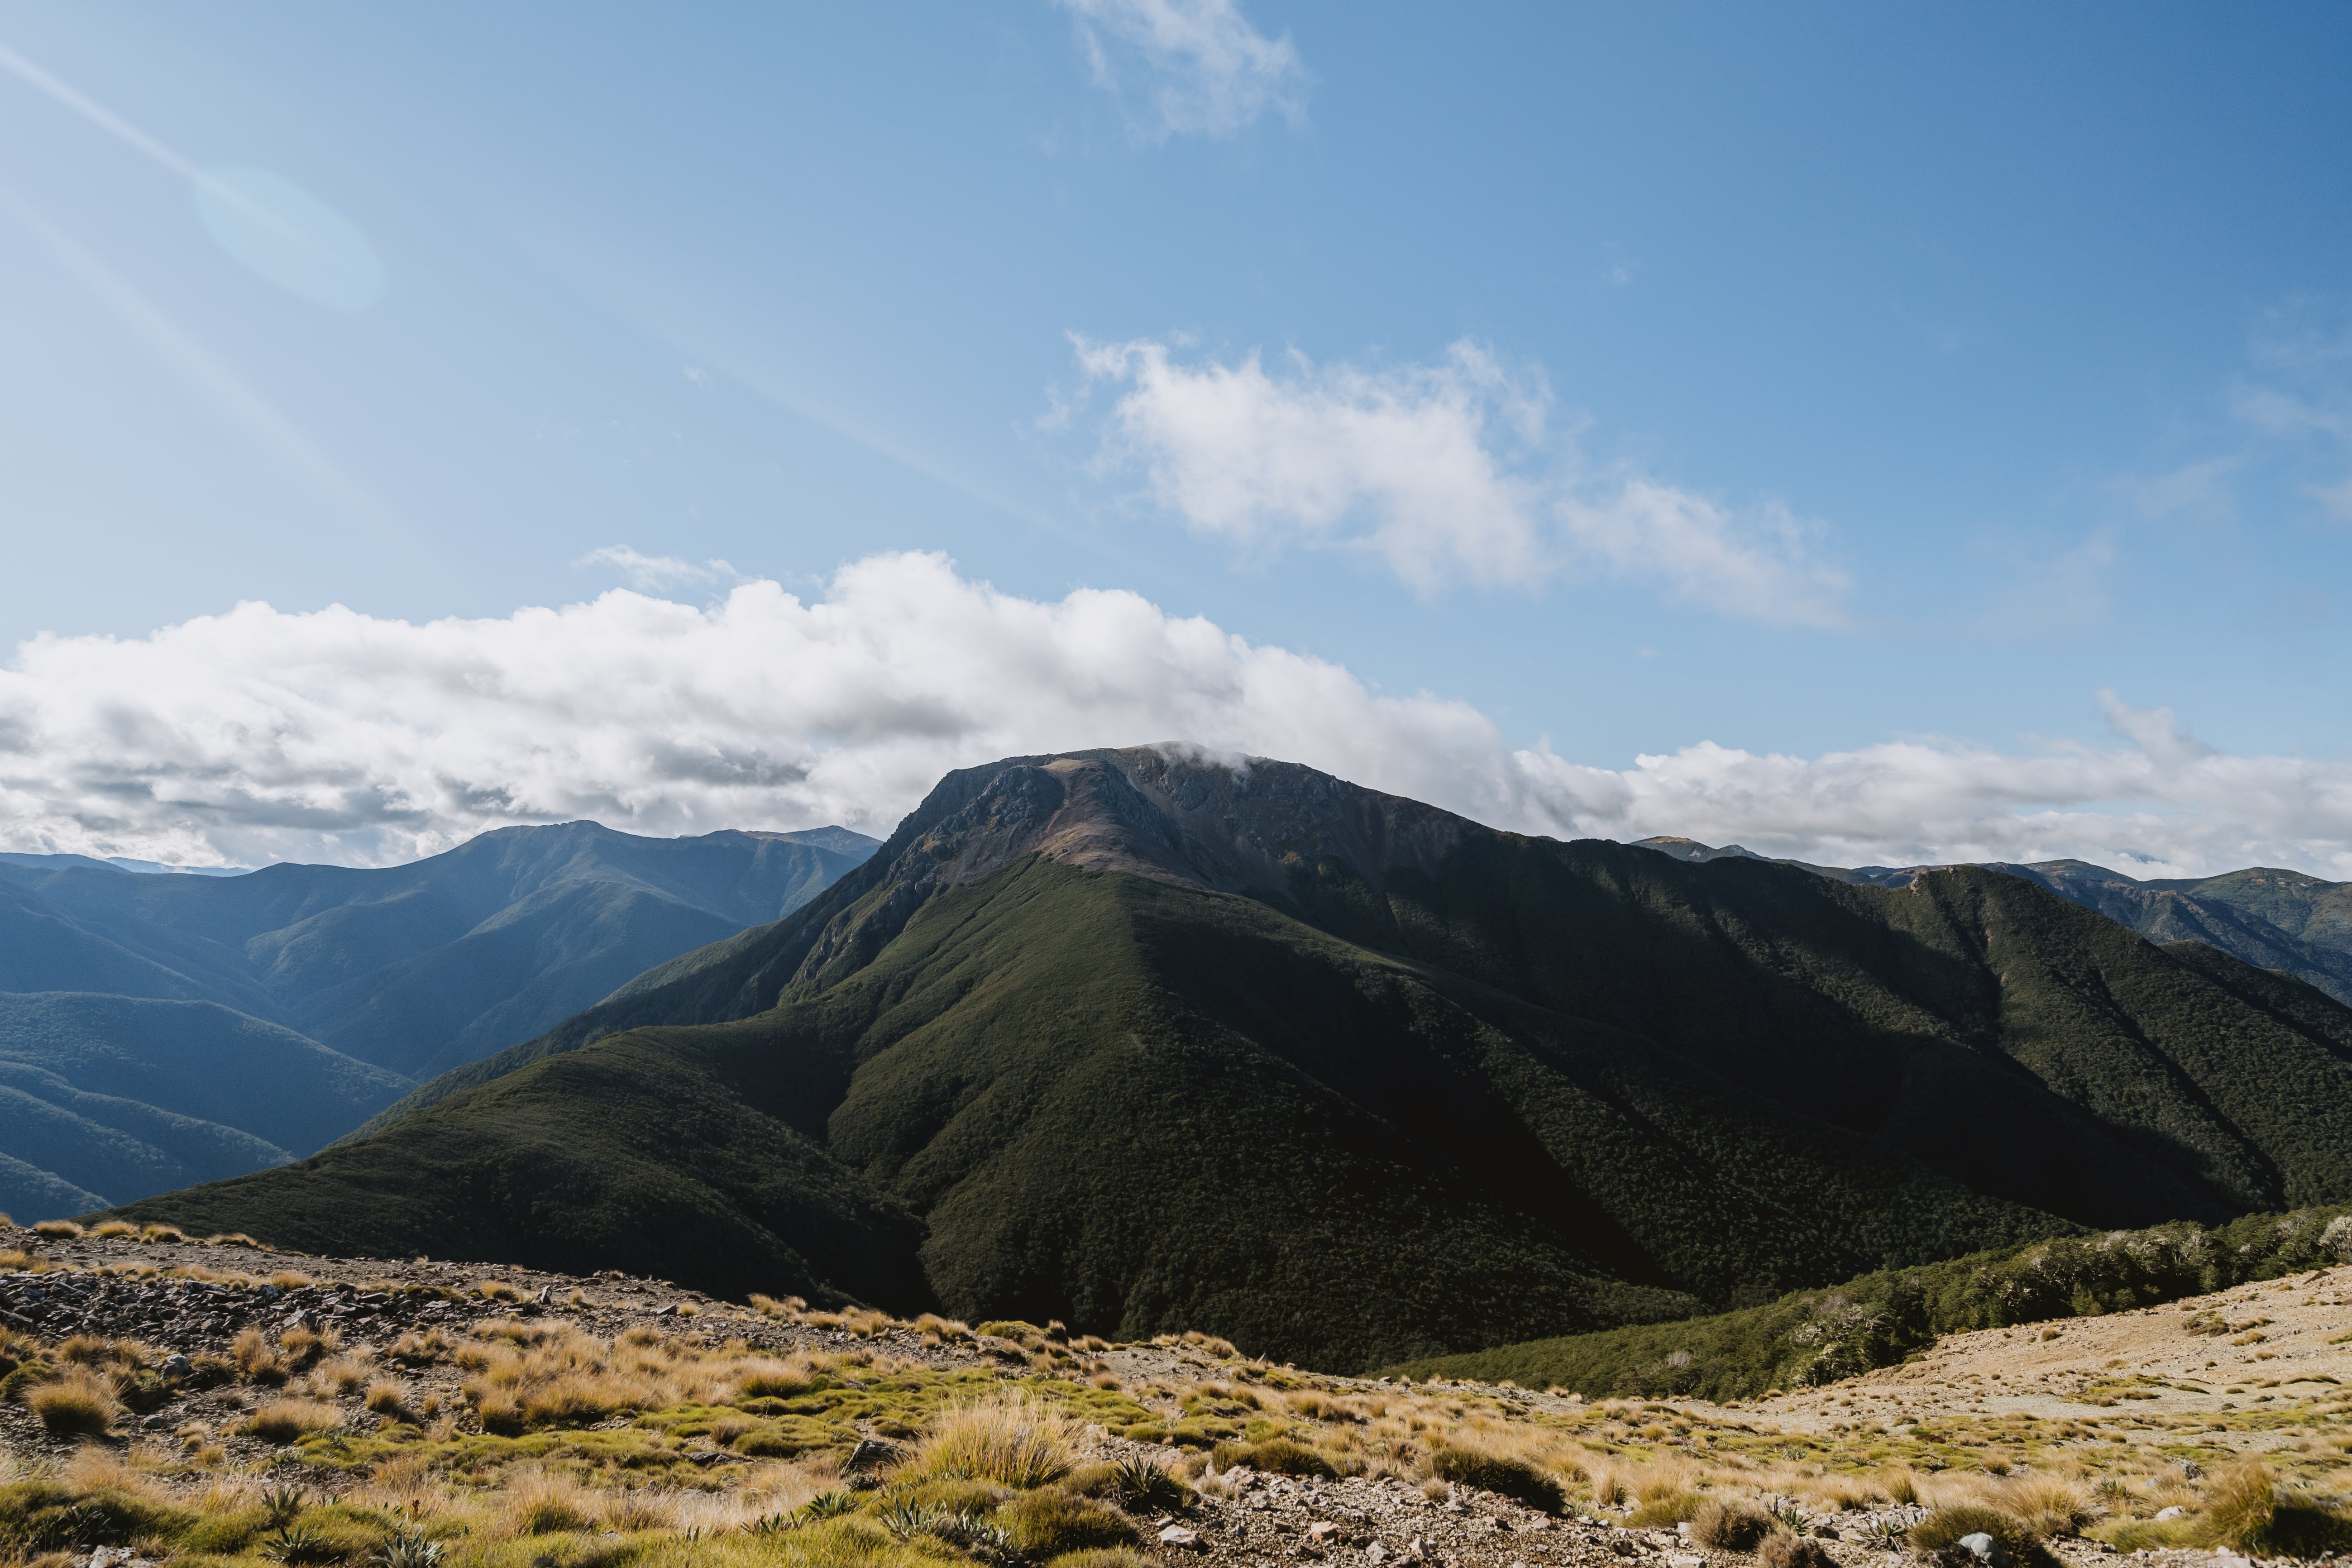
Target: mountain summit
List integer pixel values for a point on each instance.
(1147, 1039)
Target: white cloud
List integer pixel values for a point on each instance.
(260, 734)
(1207, 70)
(1444, 470)
(659, 571)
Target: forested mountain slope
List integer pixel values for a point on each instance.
(2287, 921)
(1141, 1040)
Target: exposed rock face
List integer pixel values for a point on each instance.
(1238, 825)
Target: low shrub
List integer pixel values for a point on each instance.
(1511, 1477)
(1050, 1522)
(1729, 1525)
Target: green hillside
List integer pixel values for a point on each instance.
(1144, 1043)
(1822, 1336)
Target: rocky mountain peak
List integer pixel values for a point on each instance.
(1173, 812)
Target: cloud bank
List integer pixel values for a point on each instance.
(262, 734)
(1206, 69)
(1442, 473)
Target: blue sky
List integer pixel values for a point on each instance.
(1802, 381)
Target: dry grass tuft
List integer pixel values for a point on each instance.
(547, 1503)
(1502, 1473)
(77, 1405)
(57, 1230)
(284, 1420)
(1726, 1525)
(1783, 1550)
(1049, 1524)
(1011, 1438)
(385, 1398)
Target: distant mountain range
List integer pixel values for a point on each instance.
(159, 1030)
(2285, 921)
(1142, 1041)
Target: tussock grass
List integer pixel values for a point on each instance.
(1511, 1477)
(1049, 1522)
(1781, 1549)
(79, 1403)
(1728, 1525)
(1011, 1438)
(284, 1420)
(1949, 1524)
(57, 1230)
(2247, 1510)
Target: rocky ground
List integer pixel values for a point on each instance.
(2162, 1369)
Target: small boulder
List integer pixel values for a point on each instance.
(1984, 1549)
(1181, 1539)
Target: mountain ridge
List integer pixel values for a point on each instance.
(1146, 1038)
(363, 981)
(2273, 919)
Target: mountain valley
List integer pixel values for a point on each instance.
(159, 1031)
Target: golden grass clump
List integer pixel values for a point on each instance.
(109, 1229)
(57, 1230)
(2246, 1509)
(1011, 1438)
(385, 1398)
(152, 1234)
(548, 1503)
(1953, 1520)
(2047, 1505)
(285, 1420)
(79, 1403)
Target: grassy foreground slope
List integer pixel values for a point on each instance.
(1812, 1337)
(1145, 1042)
